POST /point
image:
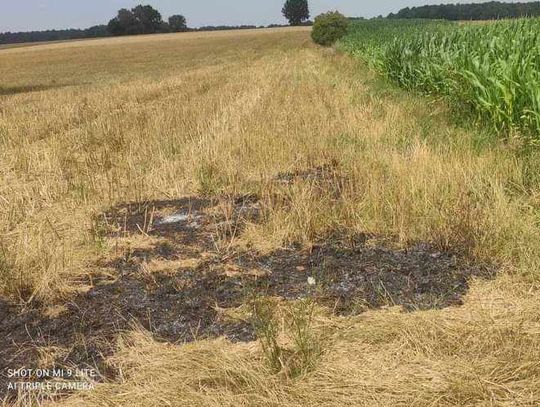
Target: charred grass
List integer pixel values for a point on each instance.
(171, 277)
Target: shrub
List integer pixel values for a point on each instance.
(329, 27)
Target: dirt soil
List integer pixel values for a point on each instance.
(179, 282)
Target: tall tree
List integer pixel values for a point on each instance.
(296, 11)
(125, 23)
(114, 27)
(139, 20)
(177, 23)
(148, 18)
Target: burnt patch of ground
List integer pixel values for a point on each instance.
(135, 218)
(179, 284)
(326, 179)
(353, 279)
(319, 173)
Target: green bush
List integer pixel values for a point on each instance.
(329, 27)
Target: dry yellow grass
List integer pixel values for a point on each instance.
(87, 125)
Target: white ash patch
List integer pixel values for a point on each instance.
(179, 218)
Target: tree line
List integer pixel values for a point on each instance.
(144, 19)
(53, 35)
(147, 20)
(475, 11)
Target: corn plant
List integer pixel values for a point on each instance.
(493, 69)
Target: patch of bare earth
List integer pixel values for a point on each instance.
(171, 274)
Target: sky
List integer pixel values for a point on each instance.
(28, 15)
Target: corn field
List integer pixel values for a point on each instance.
(491, 69)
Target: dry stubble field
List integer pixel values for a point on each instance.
(288, 161)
